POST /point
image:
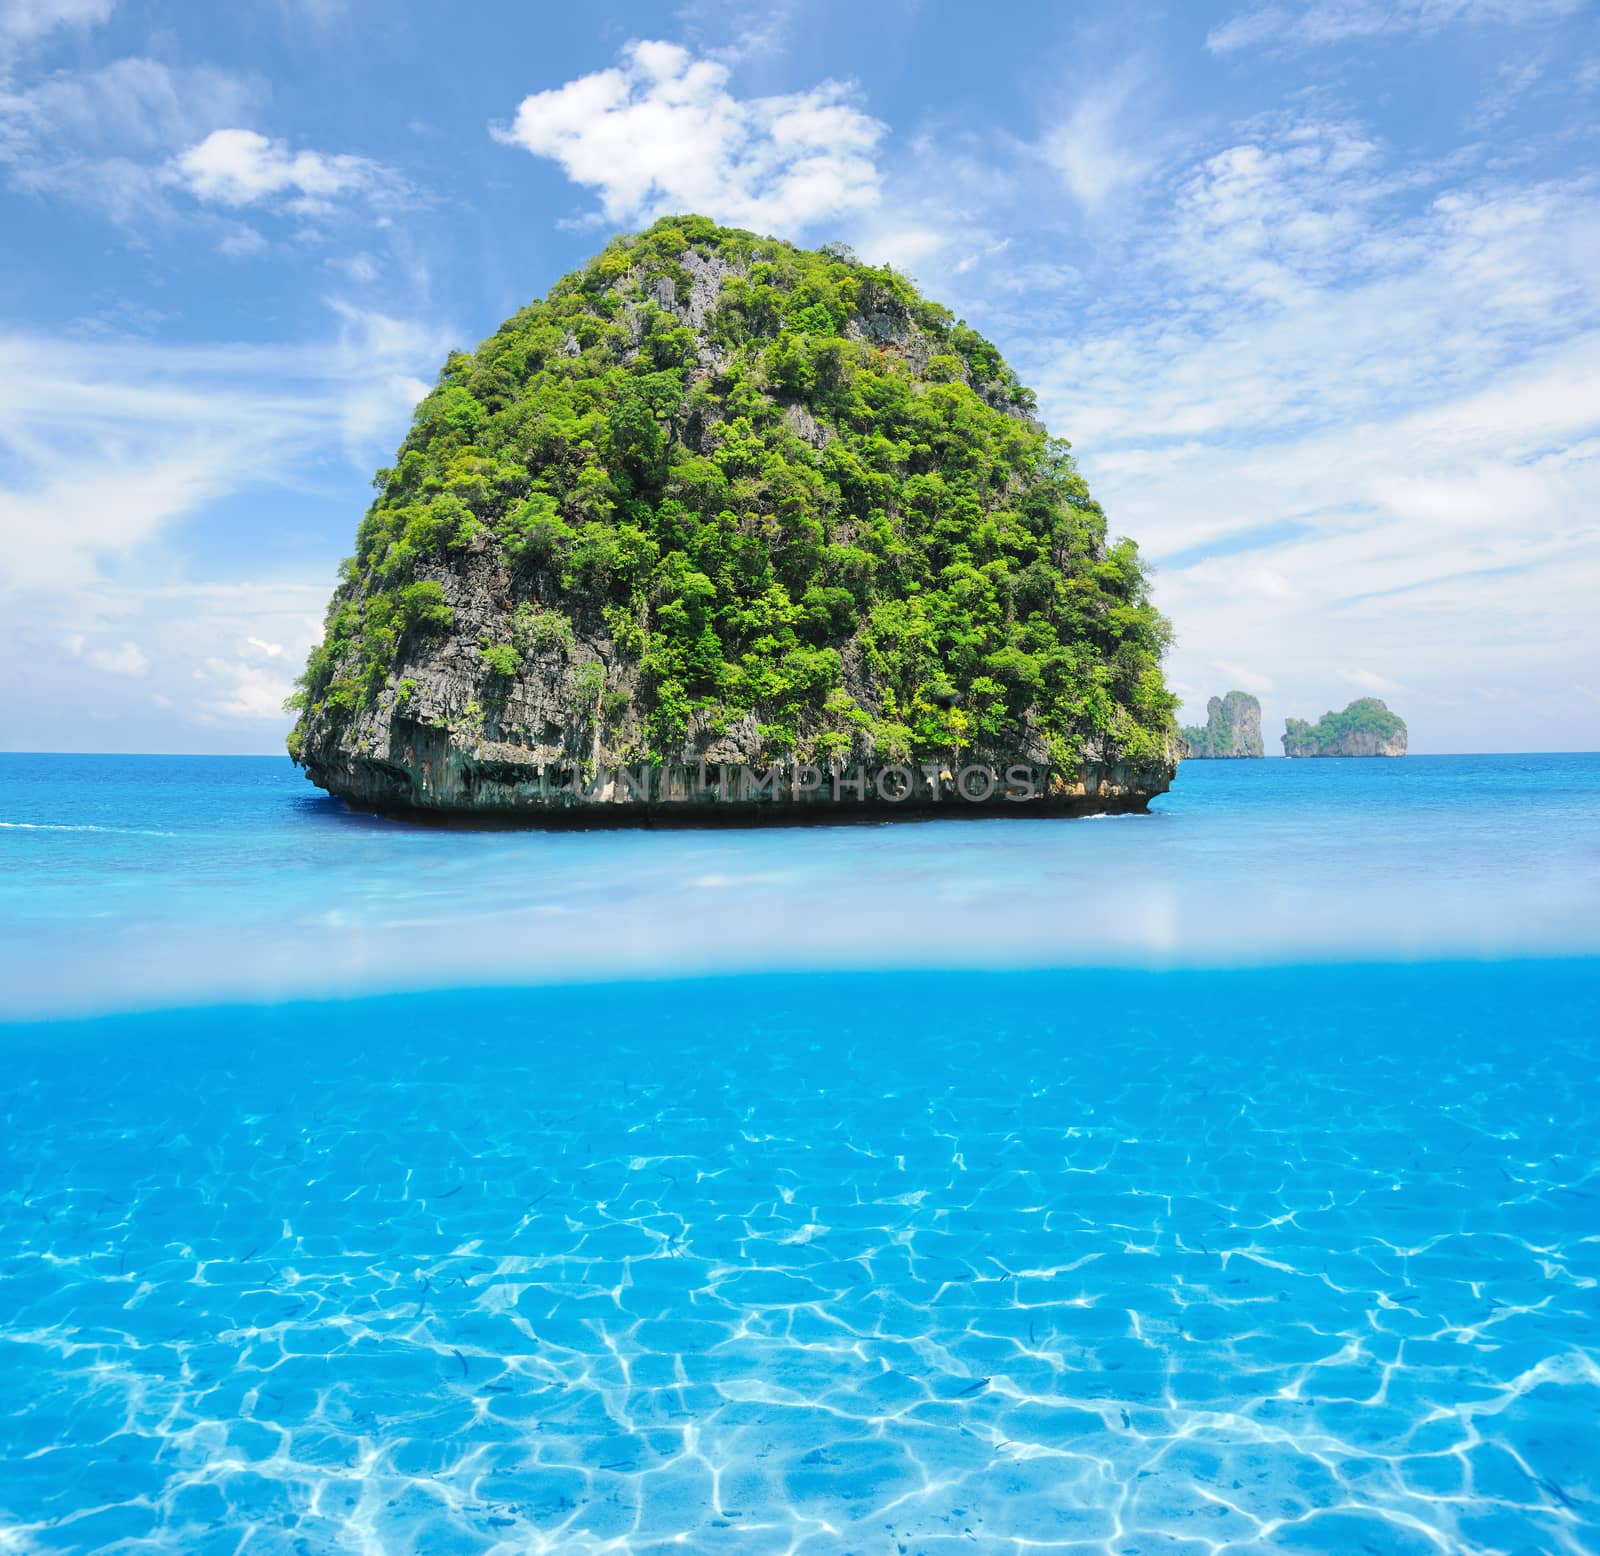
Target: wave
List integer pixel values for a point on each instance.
(62, 826)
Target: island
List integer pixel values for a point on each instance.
(1232, 728)
(1366, 728)
(725, 529)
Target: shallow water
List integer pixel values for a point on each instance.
(1291, 1259)
(1275, 1257)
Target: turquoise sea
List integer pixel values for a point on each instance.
(1222, 1180)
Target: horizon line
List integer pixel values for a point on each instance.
(1268, 756)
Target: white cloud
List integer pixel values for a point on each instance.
(26, 20)
(125, 137)
(240, 242)
(126, 659)
(1313, 22)
(1268, 583)
(901, 247)
(54, 530)
(1244, 677)
(260, 648)
(662, 133)
(241, 692)
(1270, 215)
(101, 137)
(236, 168)
(1370, 681)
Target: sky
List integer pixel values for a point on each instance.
(1312, 286)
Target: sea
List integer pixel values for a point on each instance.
(1221, 1180)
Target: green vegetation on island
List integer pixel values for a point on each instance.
(1232, 728)
(718, 493)
(1365, 728)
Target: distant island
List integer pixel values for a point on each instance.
(1366, 728)
(1232, 728)
(725, 529)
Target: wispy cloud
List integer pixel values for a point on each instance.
(1369, 680)
(110, 446)
(101, 137)
(126, 659)
(117, 439)
(1388, 374)
(1100, 147)
(125, 138)
(1310, 23)
(662, 132)
(23, 21)
(233, 689)
(734, 32)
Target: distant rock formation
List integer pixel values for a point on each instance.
(1232, 728)
(1365, 728)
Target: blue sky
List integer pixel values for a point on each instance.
(1313, 287)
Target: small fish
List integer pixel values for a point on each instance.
(249, 1256)
(1127, 1421)
(462, 1359)
(1031, 1340)
(498, 1388)
(973, 1388)
(1405, 1296)
(451, 1193)
(618, 1464)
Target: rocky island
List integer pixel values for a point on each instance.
(1232, 728)
(1365, 728)
(725, 529)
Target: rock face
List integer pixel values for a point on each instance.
(726, 529)
(1365, 728)
(1232, 728)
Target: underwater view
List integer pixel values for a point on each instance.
(1219, 1180)
(736, 810)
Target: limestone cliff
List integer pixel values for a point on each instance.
(1365, 728)
(716, 509)
(1232, 728)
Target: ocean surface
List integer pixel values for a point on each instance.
(1222, 1180)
